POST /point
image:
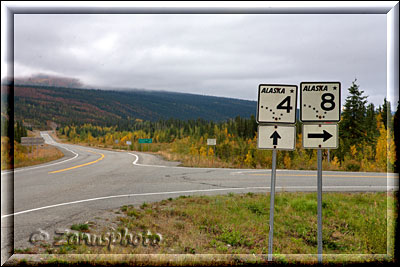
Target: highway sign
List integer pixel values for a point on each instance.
(277, 103)
(320, 101)
(32, 141)
(281, 137)
(211, 142)
(128, 143)
(320, 135)
(145, 141)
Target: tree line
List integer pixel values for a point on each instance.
(366, 138)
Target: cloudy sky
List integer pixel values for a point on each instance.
(222, 55)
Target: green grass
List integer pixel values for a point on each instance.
(353, 223)
(80, 227)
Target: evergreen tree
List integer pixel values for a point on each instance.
(386, 114)
(370, 121)
(19, 131)
(353, 130)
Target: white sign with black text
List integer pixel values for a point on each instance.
(277, 103)
(320, 101)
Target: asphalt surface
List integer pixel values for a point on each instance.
(88, 181)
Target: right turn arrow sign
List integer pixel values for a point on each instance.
(320, 136)
(324, 135)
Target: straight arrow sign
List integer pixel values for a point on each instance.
(324, 135)
(275, 137)
(279, 137)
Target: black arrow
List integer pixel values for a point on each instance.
(275, 135)
(324, 135)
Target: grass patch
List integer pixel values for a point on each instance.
(80, 227)
(353, 223)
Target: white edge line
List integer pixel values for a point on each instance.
(42, 166)
(176, 167)
(188, 191)
(267, 171)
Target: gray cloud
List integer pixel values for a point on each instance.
(222, 55)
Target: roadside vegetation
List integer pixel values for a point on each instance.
(366, 140)
(27, 156)
(353, 223)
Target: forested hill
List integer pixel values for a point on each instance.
(38, 104)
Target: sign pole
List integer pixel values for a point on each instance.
(276, 116)
(271, 207)
(319, 184)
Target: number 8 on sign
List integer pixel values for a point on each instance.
(277, 103)
(320, 101)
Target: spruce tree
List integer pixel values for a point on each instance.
(386, 114)
(353, 130)
(370, 123)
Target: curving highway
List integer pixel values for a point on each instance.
(88, 181)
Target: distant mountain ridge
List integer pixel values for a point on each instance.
(39, 103)
(49, 80)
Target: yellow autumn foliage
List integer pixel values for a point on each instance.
(210, 151)
(381, 149)
(249, 159)
(203, 151)
(287, 161)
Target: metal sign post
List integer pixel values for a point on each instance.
(271, 206)
(145, 141)
(128, 143)
(319, 206)
(276, 115)
(211, 142)
(320, 113)
(30, 142)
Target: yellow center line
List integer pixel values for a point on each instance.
(332, 175)
(85, 164)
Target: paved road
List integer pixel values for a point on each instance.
(88, 181)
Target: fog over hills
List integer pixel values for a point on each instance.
(66, 100)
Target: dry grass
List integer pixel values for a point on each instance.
(354, 223)
(28, 156)
(39, 155)
(197, 161)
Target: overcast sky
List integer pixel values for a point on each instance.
(222, 55)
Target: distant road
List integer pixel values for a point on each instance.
(88, 181)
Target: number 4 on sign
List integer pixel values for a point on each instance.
(277, 104)
(287, 102)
